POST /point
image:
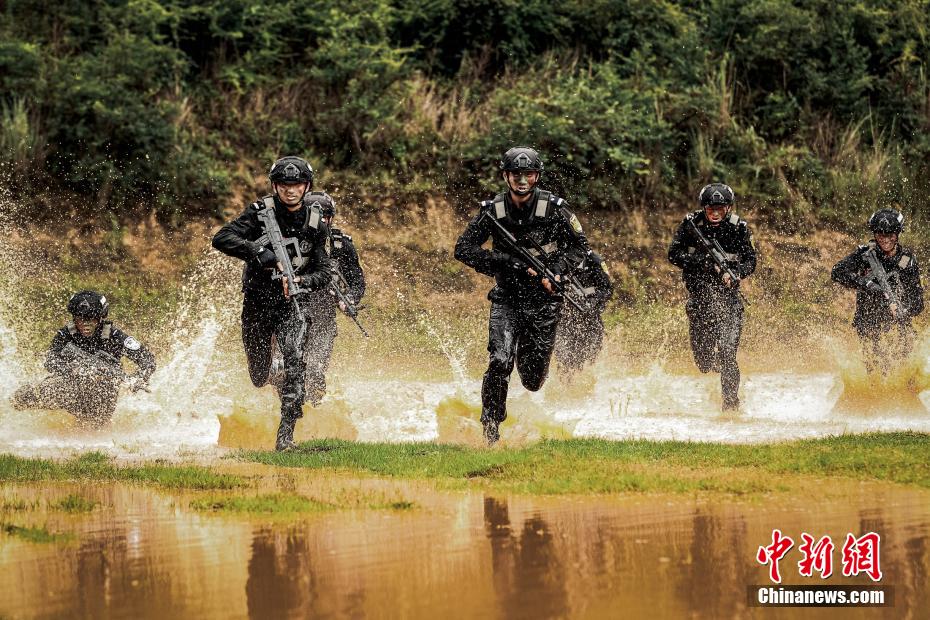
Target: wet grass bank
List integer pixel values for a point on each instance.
(580, 466)
(95, 466)
(292, 483)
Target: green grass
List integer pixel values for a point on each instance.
(74, 504)
(271, 504)
(598, 466)
(96, 466)
(18, 505)
(290, 503)
(34, 534)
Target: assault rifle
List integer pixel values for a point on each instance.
(569, 288)
(718, 256)
(338, 288)
(279, 247)
(100, 363)
(881, 276)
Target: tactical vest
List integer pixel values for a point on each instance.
(338, 239)
(903, 262)
(312, 220)
(733, 219)
(541, 210)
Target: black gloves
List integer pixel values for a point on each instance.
(266, 258)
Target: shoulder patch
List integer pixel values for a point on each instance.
(604, 268)
(904, 262)
(575, 224)
(132, 344)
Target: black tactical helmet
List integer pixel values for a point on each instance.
(88, 305)
(291, 169)
(521, 158)
(716, 194)
(886, 221)
(322, 201)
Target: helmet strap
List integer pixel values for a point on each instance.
(515, 191)
(294, 207)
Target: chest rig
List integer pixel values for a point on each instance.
(892, 270)
(533, 246)
(732, 219)
(296, 248)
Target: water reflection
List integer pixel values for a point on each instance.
(144, 554)
(525, 563)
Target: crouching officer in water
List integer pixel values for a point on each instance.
(84, 362)
(581, 334)
(525, 306)
(348, 275)
(886, 279)
(715, 307)
(270, 316)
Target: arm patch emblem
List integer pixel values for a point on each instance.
(132, 344)
(575, 224)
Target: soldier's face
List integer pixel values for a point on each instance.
(290, 193)
(522, 181)
(886, 241)
(86, 326)
(715, 213)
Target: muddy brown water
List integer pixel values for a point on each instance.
(143, 553)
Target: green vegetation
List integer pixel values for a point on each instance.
(75, 504)
(96, 466)
(34, 534)
(272, 504)
(809, 108)
(289, 503)
(18, 505)
(598, 466)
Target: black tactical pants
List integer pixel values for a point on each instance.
(525, 335)
(91, 400)
(319, 349)
(579, 339)
(885, 344)
(274, 322)
(715, 324)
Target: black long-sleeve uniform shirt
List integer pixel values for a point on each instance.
(698, 273)
(544, 220)
(242, 238)
(593, 277)
(871, 306)
(106, 338)
(343, 253)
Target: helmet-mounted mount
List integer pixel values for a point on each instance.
(887, 221)
(292, 170)
(521, 158)
(89, 305)
(716, 194)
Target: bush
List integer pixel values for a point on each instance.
(807, 107)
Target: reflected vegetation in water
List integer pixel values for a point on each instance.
(141, 553)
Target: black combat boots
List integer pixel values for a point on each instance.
(285, 440)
